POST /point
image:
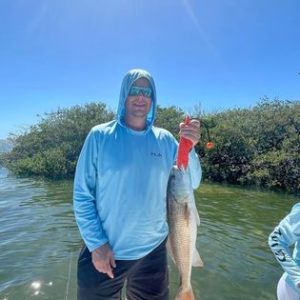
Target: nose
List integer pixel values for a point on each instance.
(140, 96)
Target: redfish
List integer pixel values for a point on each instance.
(183, 219)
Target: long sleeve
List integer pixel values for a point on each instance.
(282, 237)
(195, 168)
(84, 197)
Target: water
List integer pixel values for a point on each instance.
(39, 241)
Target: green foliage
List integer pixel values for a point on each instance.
(169, 118)
(254, 146)
(51, 147)
(258, 146)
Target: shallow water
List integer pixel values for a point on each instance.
(39, 241)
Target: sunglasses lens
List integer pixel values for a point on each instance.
(147, 93)
(136, 90)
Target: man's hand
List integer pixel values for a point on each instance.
(103, 260)
(190, 131)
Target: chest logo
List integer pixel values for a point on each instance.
(156, 154)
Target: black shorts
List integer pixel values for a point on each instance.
(146, 278)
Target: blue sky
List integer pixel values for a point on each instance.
(220, 54)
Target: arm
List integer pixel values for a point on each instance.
(85, 210)
(195, 168)
(84, 200)
(191, 130)
(282, 237)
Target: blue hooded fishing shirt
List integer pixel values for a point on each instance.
(121, 181)
(283, 237)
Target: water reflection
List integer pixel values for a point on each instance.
(40, 241)
(232, 239)
(38, 237)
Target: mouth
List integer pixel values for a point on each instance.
(140, 105)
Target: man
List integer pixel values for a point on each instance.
(120, 197)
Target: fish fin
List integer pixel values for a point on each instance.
(197, 261)
(170, 252)
(194, 209)
(185, 295)
(196, 214)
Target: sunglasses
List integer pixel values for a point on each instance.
(137, 90)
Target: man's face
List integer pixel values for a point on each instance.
(138, 106)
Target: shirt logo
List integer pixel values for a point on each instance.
(156, 154)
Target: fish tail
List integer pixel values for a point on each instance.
(185, 295)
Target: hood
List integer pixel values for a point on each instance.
(128, 80)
